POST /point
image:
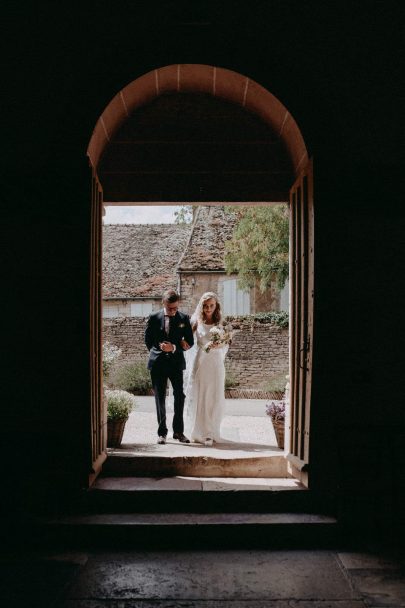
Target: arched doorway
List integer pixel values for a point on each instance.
(208, 164)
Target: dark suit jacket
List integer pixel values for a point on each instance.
(155, 333)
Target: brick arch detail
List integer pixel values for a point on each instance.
(194, 78)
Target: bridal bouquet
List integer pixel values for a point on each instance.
(219, 335)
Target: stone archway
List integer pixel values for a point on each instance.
(236, 89)
(218, 82)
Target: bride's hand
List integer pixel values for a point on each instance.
(184, 345)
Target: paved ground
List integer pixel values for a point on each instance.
(203, 579)
(245, 422)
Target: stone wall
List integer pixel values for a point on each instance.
(258, 350)
(128, 334)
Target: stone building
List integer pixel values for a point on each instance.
(141, 261)
(202, 268)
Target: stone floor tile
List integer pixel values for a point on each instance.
(211, 575)
(373, 561)
(212, 604)
(326, 604)
(380, 588)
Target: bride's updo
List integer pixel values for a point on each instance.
(199, 316)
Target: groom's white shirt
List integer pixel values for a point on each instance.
(167, 323)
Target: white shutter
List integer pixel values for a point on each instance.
(285, 297)
(141, 309)
(110, 311)
(236, 301)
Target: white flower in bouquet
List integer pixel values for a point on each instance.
(219, 336)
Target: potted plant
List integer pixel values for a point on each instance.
(119, 405)
(276, 411)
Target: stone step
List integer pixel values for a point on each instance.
(127, 463)
(200, 495)
(202, 484)
(197, 530)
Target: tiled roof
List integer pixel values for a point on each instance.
(141, 260)
(206, 247)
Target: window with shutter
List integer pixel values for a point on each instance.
(235, 301)
(141, 309)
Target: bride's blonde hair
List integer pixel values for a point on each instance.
(199, 316)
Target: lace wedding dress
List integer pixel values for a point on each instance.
(204, 388)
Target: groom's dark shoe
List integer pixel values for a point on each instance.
(182, 438)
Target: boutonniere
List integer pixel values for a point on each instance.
(182, 324)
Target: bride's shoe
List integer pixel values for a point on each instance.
(208, 442)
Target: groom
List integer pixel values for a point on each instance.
(167, 335)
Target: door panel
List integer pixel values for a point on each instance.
(301, 316)
(98, 406)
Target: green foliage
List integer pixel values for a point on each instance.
(119, 404)
(131, 376)
(276, 383)
(184, 214)
(279, 318)
(230, 379)
(258, 249)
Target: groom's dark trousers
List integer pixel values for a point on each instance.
(168, 366)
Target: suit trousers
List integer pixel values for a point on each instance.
(164, 369)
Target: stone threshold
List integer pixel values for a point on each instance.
(193, 484)
(192, 519)
(199, 494)
(174, 530)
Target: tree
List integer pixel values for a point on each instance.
(258, 248)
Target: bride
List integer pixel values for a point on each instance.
(205, 397)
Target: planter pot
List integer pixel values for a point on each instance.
(278, 426)
(115, 431)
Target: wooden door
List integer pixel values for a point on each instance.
(301, 319)
(98, 405)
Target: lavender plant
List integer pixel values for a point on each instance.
(276, 410)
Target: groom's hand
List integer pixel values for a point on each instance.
(184, 345)
(167, 347)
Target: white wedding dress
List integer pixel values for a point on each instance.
(204, 388)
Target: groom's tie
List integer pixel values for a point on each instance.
(171, 319)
